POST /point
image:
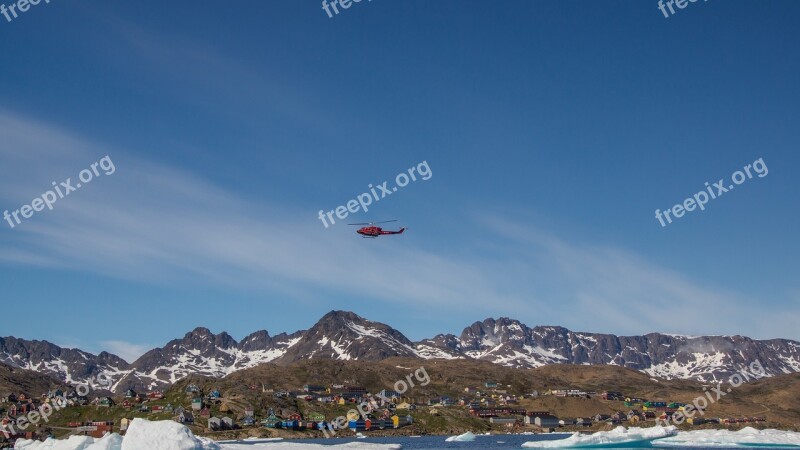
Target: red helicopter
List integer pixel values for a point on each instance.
(373, 231)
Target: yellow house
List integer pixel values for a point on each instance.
(341, 401)
(396, 421)
(404, 405)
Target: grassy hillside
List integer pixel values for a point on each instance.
(775, 398)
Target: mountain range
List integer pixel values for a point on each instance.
(343, 335)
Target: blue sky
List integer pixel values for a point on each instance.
(553, 129)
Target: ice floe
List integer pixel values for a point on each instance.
(619, 435)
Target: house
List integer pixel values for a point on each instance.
(184, 417)
(602, 417)
(633, 412)
(295, 416)
(270, 421)
(698, 421)
(582, 422)
(105, 402)
(315, 417)
(495, 412)
(248, 421)
(127, 404)
(530, 416)
(290, 424)
(213, 395)
(156, 409)
(386, 393)
(441, 401)
(568, 393)
(197, 403)
(192, 389)
(566, 422)
(227, 422)
(313, 388)
(155, 395)
(490, 385)
(650, 406)
(612, 395)
(249, 411)
(352, 397)
(130, 393)
(205, 412)
(508, 421)
(123, 424)
(406, 405)
(546, 422)
(214, 423)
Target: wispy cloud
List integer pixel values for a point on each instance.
(160, 224)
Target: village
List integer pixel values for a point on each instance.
(312, 407)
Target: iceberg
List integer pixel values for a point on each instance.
(601, 439)
(163, 435)
(168, 435)
(746, 437)
(466, 437)
(110, 442)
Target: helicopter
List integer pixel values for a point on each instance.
(372, 231)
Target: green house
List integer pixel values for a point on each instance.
(271, 421)
(315, 417)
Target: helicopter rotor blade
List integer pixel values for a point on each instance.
(372, 223)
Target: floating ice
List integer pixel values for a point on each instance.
(746, 437)
(167, 435)
(619, 435)
(466, 437)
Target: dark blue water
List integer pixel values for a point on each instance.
(438, 442)
(514, 441)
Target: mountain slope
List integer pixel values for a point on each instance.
(344, 336)
(508, 342)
